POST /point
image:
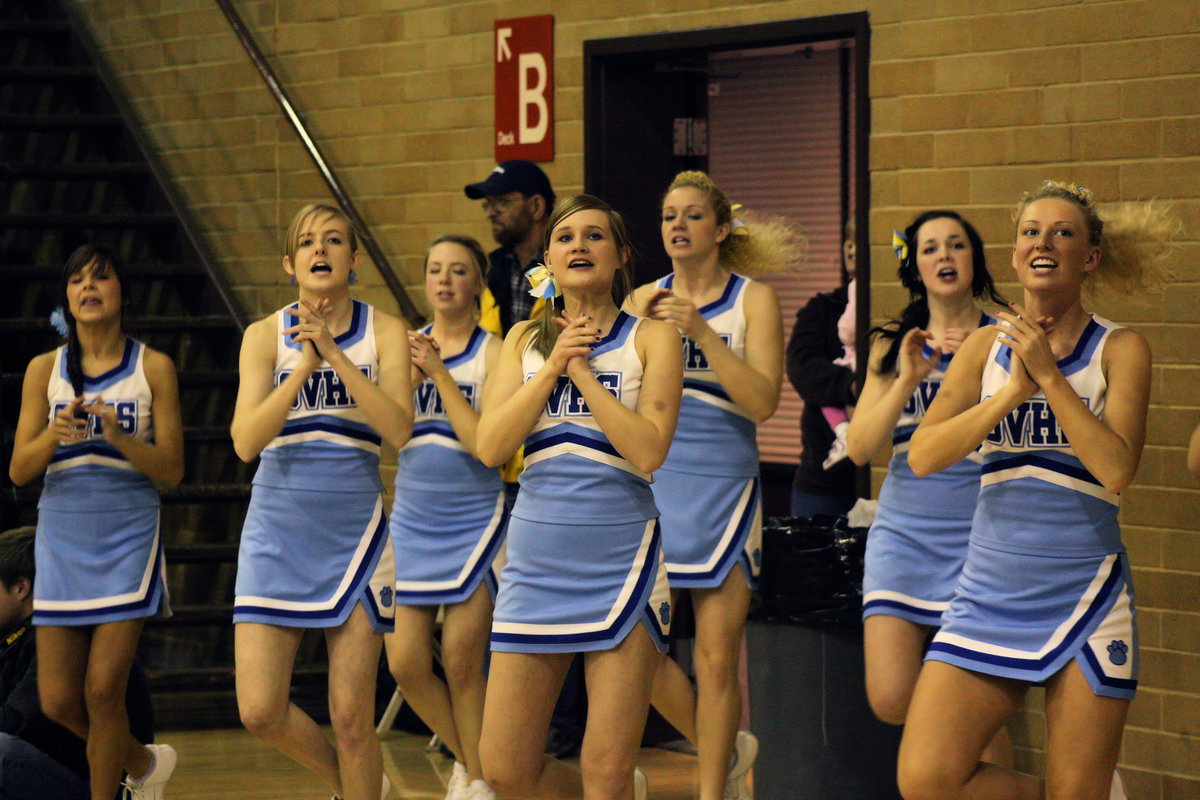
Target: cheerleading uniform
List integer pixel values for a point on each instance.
(448, 520)
(917, 543)
(584, 555)
(708, 490)
(315, 532)
(1046, 579)
(98, 547)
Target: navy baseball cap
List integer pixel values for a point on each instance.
(525, 177)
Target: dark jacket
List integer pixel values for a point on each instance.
(810, 353)
(21, 710)
(502, 263)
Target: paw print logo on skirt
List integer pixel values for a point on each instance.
(1118, 652)
(664, 613)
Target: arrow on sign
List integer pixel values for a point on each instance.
(503, 53)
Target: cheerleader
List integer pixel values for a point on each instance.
(1057, 397)
(100, 418)
(322, 382)
(448, 519)
(708, 489)
(593, 393)
(915, 548)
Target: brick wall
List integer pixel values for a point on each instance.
(968, 108)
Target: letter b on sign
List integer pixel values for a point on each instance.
(524, 88)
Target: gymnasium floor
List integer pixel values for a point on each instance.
(231, 763)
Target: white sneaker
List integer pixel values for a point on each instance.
(640, 788)
(151, 785)
(1117, 790)
(838, 451)
(456, 787)
(478, 790)
(745, 751)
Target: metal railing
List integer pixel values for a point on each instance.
(407, 308)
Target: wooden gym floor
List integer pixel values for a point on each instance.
(231, 763)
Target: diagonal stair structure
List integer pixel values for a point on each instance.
(75, 167)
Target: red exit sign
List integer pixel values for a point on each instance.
(524, 69)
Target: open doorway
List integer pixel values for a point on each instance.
(778, 115)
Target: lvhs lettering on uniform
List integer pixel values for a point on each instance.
(524, 101)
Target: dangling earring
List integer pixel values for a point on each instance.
(293, 279)
(353, 278)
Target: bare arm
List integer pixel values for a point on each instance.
(262, 407)
(462, 415)
(162, 459)
(752, 384)
(36, 438)
(1193, 456)
(642, 436)
(386, 405)
(957, 421)
(511, 405)
(884, 397)
(1110, 447)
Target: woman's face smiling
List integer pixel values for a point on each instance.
(583, 254)
(323, 259)
(944, 257)
(451, 278)
(1052, 247)
(689, 224)
(94, 293)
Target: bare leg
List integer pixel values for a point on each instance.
(410, 659)
(353, 664)
(953, 715)
(111, 748)
(264, 656)
(62, 654)
(673, 694)
(720, 624)
(892, 650)
(618, 683)
(464, 646)
(521, 691)
(1083, 737)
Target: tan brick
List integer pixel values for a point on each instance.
(1115, 60)
(1181, 137)
(1181, 54)
(1176, 787)
(1160, 751)
(1050, 66)
(1081, 102)
(1181, 629)
(896, 78)
(1160, 97)
(892, 152)
(971, 73)
(930, 113)
(968, 148)
(1012, 107)
(936, 187)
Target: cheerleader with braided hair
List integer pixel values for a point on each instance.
(100, 418)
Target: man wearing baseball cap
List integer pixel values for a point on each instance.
(517, 199)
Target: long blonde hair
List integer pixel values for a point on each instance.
(545, 332)
(1134, 238)
(756, 244)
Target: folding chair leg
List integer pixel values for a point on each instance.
(389, 714)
